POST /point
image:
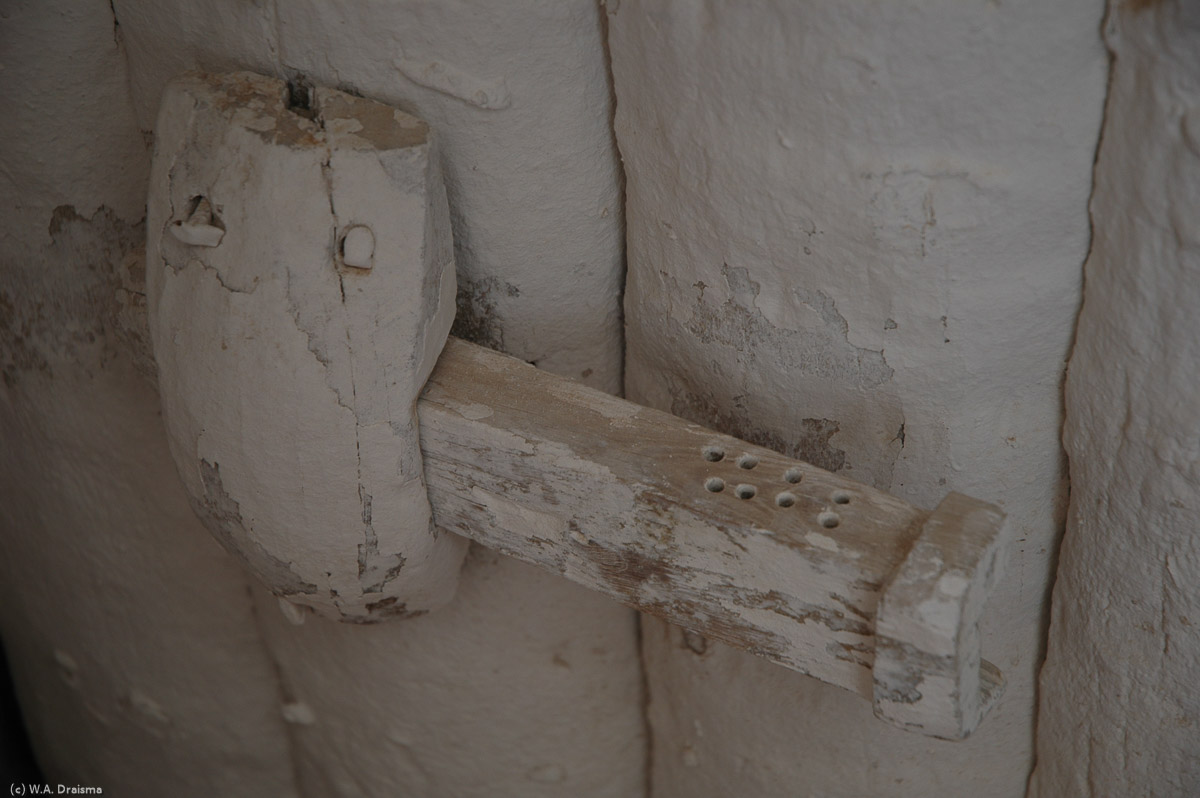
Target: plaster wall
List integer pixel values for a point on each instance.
(1119, 707)
(519, 96)
(131, 635)
(142, 660)
(856, 233)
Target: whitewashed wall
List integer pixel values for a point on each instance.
(856, 233)
(142, 660)
(519, 94)
(130, 633)
(1119, 706)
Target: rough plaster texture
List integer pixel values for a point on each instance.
(131, 635)
(136, 651)
(855, 235)
(512, 689)
(519, 94)
(858, 236)
(1119, 706)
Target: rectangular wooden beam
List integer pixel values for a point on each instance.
(734, 541)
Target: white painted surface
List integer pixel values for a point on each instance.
(647, 508)
(823, 195)
(928, 672)
(1119, 705)
(109, 582)
(856, 233)
(289, 380)
(521, 686)
(130, 633)
(519, 95)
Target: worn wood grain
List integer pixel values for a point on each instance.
(929, 676)
(731, 540)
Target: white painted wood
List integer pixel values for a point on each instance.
(288, 378)
(731, 540)
(928, 673)
(290, 365)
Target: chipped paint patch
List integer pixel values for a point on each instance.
(822, 349)
(822, 541)
(471, 410)
(90, 309)
(222, 514)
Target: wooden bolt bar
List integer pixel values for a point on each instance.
(731, 540)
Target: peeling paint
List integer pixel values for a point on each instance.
(809, 440)
(823, 351)
(375, 570)
(821, 541)
(273, 302)
(223, 517)
(91, 311)
(477, 319)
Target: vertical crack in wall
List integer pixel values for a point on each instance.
(1104, 112)
(647, 730)
(116, 25)
(273, 28)
(1106, 28)
(123, 52)
(604, 11)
